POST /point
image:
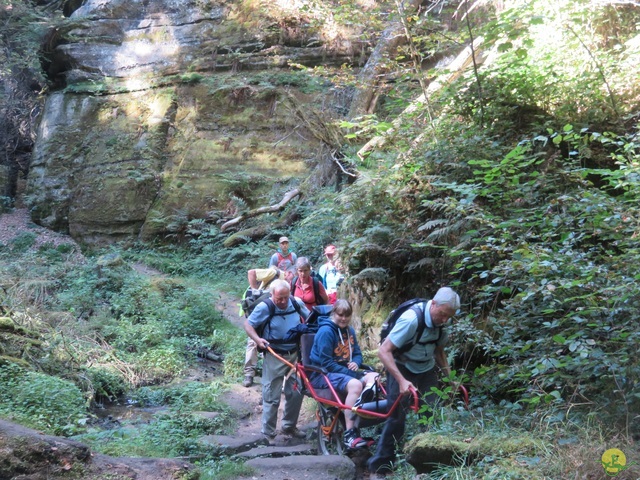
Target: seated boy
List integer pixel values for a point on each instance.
(336, 349)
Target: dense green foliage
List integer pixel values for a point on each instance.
(40, 401)
(531, 218)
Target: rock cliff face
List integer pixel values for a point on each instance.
(177, 108)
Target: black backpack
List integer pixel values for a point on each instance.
(392, 318)
(251, 298)
(316, 280)
(318, 311)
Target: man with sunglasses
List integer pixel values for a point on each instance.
(415, 368)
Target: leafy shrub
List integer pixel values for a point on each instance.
(55, 253)
(164, 361)
(150, 396)
(106, 384)
(23, 242)
(44, 402)
(131, 337)
(6, 204)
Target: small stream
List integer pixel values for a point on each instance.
(113, 415)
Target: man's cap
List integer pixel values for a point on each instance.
(446, 296)
(330, 249)
(283, 239)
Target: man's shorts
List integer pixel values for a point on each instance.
(338, 380)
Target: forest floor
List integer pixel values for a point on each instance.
(18, 222)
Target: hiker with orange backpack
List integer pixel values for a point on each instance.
(283, 259)
(260, 280)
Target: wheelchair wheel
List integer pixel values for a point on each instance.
(330, 431)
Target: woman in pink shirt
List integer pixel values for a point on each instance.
(310, 290)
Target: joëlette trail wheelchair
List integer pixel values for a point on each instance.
(330, 405)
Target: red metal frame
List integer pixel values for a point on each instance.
(336, 402)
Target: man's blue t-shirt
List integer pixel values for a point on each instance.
(280, 324)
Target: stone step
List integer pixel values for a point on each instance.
(228, 445)
(279, 451)
(299, 467)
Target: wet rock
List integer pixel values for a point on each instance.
(229, 445)
(279, 451)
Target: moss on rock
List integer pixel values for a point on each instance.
(429, 450)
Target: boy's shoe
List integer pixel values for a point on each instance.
(352, 439)
(294, 432)
(248, 381)
(369, 394)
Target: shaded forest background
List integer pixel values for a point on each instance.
(514, 178)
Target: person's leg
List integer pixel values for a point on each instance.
(394, 427)
(423, 383)
(250, 363)
(354, 387)
(369, 390)
(392, 432)
(292, 397)
(272, 376)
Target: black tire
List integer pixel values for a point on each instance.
(330, 443)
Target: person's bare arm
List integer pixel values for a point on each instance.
(323, 294)
(260, 342)
(385, 354)
(253, 278)
(441, 360)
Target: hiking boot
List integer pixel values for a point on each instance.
(352, 439)
(369, 394)
(380, 465)
(248, 381)
(293, 432)
(271, 439)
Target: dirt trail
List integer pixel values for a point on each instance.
(289, 458)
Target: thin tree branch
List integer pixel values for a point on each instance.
(259, 211)
(337, 162)
(475, 65)
(417, 62)
(599, 67)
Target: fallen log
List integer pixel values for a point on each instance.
(260, 231)
(262, 210)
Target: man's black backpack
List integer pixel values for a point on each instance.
(251, 298)
(392, 318)
(291, 335)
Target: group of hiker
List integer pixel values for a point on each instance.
(411, 352)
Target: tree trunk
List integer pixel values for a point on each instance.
(364, 101)
(456, 68)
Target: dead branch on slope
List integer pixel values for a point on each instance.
(262, 210)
